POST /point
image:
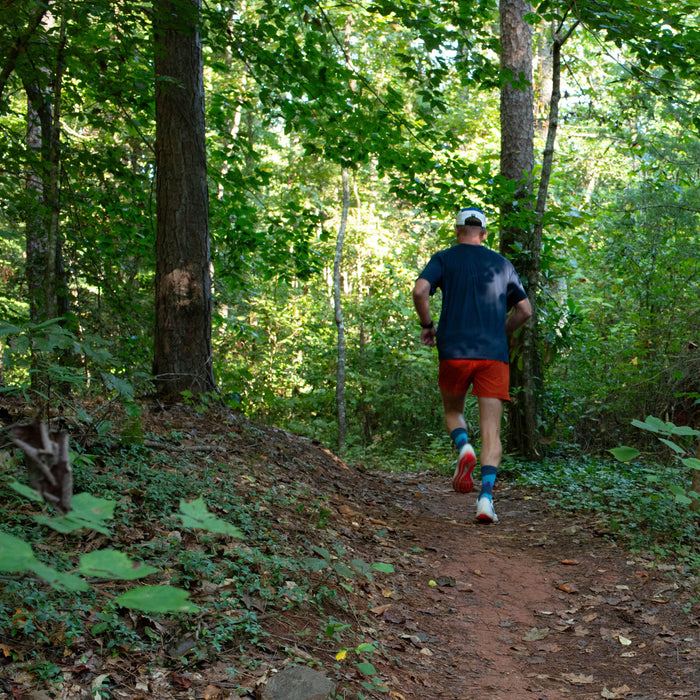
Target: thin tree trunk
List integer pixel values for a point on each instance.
(548, 155)
(340, 372)
(54, 184)
(695, 482)
(40, 273)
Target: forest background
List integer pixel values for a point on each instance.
(346, 136)
(229, 203)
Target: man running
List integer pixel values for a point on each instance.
(479, 288)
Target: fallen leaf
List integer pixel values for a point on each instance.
(577, 678)
(380, 609)
(414, 639)
(536, 634)
(567, 588)
(182, 681)
(211, 692)
(394, 616)
(570, 562)
(624, 641)
(446, 581)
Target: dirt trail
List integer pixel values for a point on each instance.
(536, 606)
(540, 606)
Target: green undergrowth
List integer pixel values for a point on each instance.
(438, 453)
(633, 502)
(284, 559)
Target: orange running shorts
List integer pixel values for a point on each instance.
(488, 378)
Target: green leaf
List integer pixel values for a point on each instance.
(6, 329)
(366, 668)
(680, 494)
(157, 599)
(322, 552)
(684, 430)
(361, 566)
(86, 511)
(676, 448)
(624, 454)
(692, 462)
(108, 563)
(26, 491)
(653, 424)
(383, 567)
(315, 564)
(15, 554)
(366, 647)
(195, 514)
(343, 570)
(59, 579)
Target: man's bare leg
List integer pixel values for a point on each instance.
(490, 414)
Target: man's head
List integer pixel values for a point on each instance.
(471, 225)
(471, 216)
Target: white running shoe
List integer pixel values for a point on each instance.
(484, 510)
(462, 480)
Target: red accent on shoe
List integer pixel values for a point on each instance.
(462, 480)
(485, 512)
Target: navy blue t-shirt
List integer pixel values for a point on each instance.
(478, 286)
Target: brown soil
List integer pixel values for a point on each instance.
(541, 605)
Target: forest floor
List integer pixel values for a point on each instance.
(542, 605)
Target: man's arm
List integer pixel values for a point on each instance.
(520, 314)
(421, 300)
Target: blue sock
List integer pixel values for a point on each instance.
(488, 477)
(459, 437)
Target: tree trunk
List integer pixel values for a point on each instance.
(40, 249)
(517, 162)
(340, 372)
(695, 482)
(182, 360)
(45, 272)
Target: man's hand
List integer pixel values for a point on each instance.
(421, 300)
(427, 336)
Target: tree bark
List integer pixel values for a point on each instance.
(42, 78)
(340, 372)
(40, 249)
(19, 45)
(517, 163)
(182, 359)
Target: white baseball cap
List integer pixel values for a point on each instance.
(471, 215)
